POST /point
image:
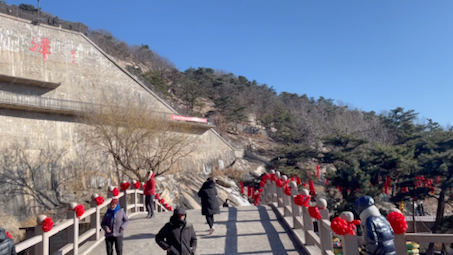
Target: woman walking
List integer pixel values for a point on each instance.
(114, 223)
(209, 203)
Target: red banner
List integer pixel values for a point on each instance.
(185, 118)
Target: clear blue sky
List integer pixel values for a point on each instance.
(373, 54)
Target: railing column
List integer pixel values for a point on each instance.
(279, 191)
(295, 209)
(349, 243)
(109, 192)
(268, 191)
(308, 221)
(400, 244)
(39, 247)
(95, 218)
(286, 200)
(134, 197)
(273, 189)
(325, 234)
(76, 234)
(142, 198)
(123, 200)
(70, 230)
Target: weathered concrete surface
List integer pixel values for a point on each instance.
(239, 230)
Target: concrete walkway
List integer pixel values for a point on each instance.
(239, 230)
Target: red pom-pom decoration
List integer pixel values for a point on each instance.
(115, 192)
(339, 226)
(8, 235)
(260, 190)
(137, 185)
(170, 208)
(299, 200)
(298, 180)
(79, 211)
(312, 188)
(398, 222)
(273, 177)
(279, 183)
(99, 200)
(157, 196)
(124, 185)
(314, 212)
(288, 190)
(262, 183)
(47, 224)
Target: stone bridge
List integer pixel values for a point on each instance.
(239, 230)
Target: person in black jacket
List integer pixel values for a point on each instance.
(178, 236)
(209, 203)
(7, 246)
(377, 231)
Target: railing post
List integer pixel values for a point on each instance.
(400, 244)
(71, 229)
(142, 198)
(109, 192)
(76, 234)
(325, 234)
(95, 218)
(134, 197)
(279, 191)
(39, 247)
(349, 243)
(295, 209)
(307, 219)
(286, 199)
(268, 191)
(123, 200)
(273, 189)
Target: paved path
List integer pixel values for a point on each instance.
(239, 230)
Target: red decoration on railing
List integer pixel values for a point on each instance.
(312, 188)
(305, 200)
(279, 183)
(341, 227)
(47, 224)
(398, 222)
(260, 190)
(165, 205)
(115, 192)
(317, 171)
(137, 185)
(273, 177)
(124, 185)
(287, 190)
(266, 177)
(262, 183)
(162, 201)
(299, 200)
(99, 200)
(249, 191)
(327, 182)
(157, 196)
(314, 212)
(79, 211)
(8, 235)
(298, 180)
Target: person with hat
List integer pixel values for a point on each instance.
(7, 246)
(114, 223)
(377, 231)
(209, 202)
(178, 236)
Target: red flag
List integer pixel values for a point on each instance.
(317, 171)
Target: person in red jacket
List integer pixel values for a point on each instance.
(150, 192)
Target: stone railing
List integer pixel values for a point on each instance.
(132, 201)
(303, 226)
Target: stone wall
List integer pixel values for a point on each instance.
(84, 74)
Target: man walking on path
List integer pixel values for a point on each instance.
(178, 236)
(150, 192)
(209, 203)
(114, 223)
(7, 246)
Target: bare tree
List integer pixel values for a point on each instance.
(35, 175)
(136, 138)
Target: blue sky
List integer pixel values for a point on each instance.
(374, 55)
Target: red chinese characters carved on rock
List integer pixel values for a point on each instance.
(73, 56)
(44, 46)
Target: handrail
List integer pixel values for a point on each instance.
(298, 218)
(40, 242)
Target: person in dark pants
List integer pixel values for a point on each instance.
(114, 223)
(150, 193)
(209, 203)
(178, 236)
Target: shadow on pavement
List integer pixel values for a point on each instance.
(140, 236)
(231, 240)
